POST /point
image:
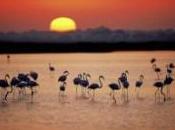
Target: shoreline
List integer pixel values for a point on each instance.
(34, 47)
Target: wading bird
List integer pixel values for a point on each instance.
(4, 84)
(159, 85)
(76, 82)
(114, 88)
(63, 77)
(125, 85)
(138, 85)
(51, 68)
(95, 86)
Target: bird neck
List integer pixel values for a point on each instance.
(7, 79)
(101, 83)
(66, 74)
(154, 66)
(119, 83)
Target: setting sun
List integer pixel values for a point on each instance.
(63, 24)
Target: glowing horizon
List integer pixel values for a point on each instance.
(123, 14)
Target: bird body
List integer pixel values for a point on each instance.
(51, 68)
(114, 86)
(95, 86)
(139, 84)
(158, 84)
(168, 80)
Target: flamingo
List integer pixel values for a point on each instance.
(124, 81)
(171, 65)
(85, 82)
(4, 84)
(157, 70)
(167, 82)
(63, 77)
(13, 83)
(8, 58)
(159, 85)
(51, 68)
(139, 84)
(95, 86)
(153, 60)
(62, 89)
(170, 68)
(77, 81)
(114, 87)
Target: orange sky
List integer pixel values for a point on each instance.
(23, 15)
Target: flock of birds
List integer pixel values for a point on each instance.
(24, 81)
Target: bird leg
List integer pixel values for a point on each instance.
(76, 89)
(156, 95)
(168, 92)
(158, 76)
(127, 98)
(14, 93)
(162, 93)
(32, 94)
(114, 97)
(93, 94)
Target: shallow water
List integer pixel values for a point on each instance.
(48, 111)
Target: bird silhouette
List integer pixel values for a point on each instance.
(63, 77)
(84, 83)
(171, 65)
(76, 82)
(114, 87)
(159, 85)
(139, 84)
(124, 82)
(153, 60)
(95, 86)
(167, 82)
(13, 83)
(62, 89)
(157, 70)
(4, 84)
(8, 58)
(51, 68)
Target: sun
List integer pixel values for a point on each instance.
(63, 24)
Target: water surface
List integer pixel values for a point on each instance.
(48, 112)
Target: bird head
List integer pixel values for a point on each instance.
(88, 75)
(141, 77)
(101, 77)
(7, 76)
(66, 72)
(127, 72)
(153, 60)
(171, 65)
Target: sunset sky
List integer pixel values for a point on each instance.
(23, 15)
